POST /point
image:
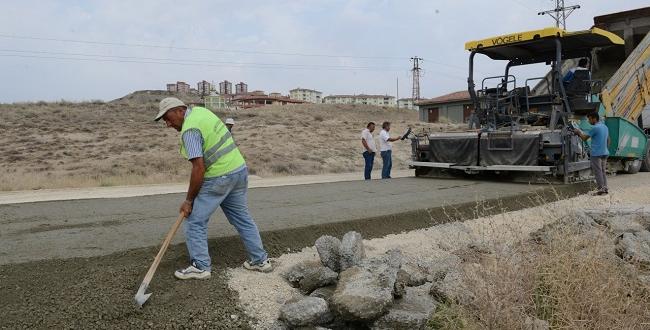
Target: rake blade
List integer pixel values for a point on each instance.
(140, 299)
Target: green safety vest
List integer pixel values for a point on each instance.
(220, 153)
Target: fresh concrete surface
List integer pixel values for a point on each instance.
(43, 195)
(95, 227)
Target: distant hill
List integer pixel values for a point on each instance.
(153, 96)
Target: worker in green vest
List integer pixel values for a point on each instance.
(219, 178)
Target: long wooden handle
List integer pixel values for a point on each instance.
(163, 248)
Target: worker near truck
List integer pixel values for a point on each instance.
(219, 178)
(599, 135)
(386, 150)
(370, 149)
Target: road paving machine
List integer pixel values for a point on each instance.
(523, 130)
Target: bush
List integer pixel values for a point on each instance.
(573, 281)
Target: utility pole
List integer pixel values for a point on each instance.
(397, 93)
(415, 95)
(560, 13)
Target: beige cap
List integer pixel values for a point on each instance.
(230, 121)
(167, 104)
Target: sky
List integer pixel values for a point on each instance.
(88, 50)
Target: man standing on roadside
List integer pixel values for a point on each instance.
(386, 150)
(219, 178)
(599, 135)
(370, 149)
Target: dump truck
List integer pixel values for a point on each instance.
(519, 133)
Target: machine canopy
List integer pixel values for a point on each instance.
(539, 45)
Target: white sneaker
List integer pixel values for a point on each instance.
(264, 267)
(192, 272)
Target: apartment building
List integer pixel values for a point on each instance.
(407, 103)
(225, 87)
(307, 95)
(378, 100)
(203, 87)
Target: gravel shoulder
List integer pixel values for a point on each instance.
(429, 245)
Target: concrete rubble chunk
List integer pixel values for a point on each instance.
(532, 323)
(366, 291)
(329, 248)
(325, 292)
(437, 268)
(412, 311)
(351, 251)
(401, 283)
(414, 274)
(310, 275)
(634, 247)
(278, 325)
(454, 286)
(621, 219)
(437, 293)
(578, 223)
(306, 312)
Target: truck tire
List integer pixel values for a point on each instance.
(645, 164)
(632, 166)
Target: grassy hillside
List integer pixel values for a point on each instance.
(63, 144)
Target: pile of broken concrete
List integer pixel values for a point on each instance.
(345, 289)
(631, 224)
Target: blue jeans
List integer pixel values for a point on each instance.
(370, 159)
(229, 192)
(386, 157)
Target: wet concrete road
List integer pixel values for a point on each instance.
(93, 227)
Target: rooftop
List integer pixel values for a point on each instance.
(447, 98)
(623, 15)
(305, 89)
(254, 97)
(361, 96)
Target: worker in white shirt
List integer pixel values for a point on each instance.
(386, 149)
(370, 149)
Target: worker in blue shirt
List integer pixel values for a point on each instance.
(599, 135)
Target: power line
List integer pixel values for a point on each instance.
(70, 56)
(224, 50)
(236, 51)
(142, 45)
(176, 60)
(258, 66)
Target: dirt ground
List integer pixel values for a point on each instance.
(65, 144)
(97, 293)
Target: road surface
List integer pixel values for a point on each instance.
(95, 227)
(96, 292)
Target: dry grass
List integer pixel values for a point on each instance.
(573, 280)
(581, 284)
(65, 144)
